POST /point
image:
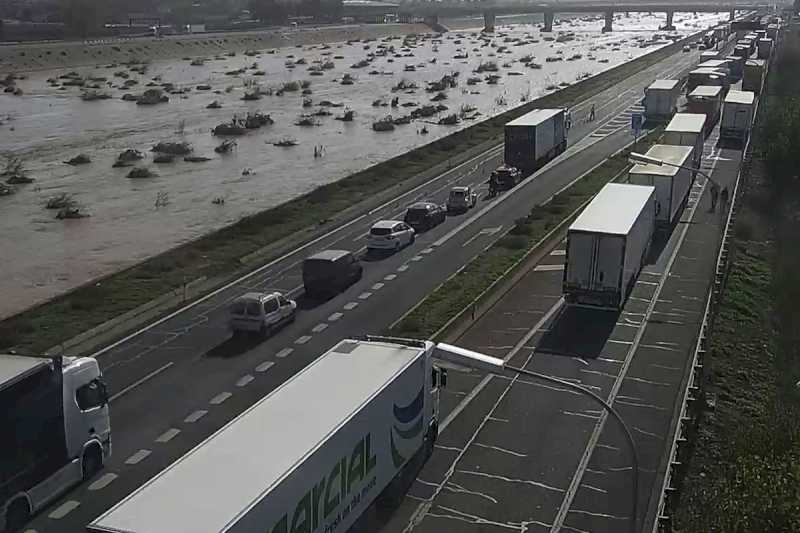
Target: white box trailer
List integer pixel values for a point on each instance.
(753, 75)
(737, 115)
(672, 184)
(706, 56)
(706, 99)
(687, 129)
(706, 76)
(736, 66)
(720, 65)
(772, 31)
(535, 138)
(764, 48)
(661, 99)
(310, 456)
(607, 246)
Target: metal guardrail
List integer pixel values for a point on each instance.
(690, 407)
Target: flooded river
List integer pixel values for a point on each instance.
(132, 219)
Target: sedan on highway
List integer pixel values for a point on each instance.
(390, 235)
(261, 313)
(423, 216)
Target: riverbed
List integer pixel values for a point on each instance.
(132, 219)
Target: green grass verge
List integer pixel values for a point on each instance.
(461, 290)
(219, 253)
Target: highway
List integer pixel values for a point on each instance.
(517, 454)
(180, 379)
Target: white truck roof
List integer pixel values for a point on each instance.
(676, 155)
(535, 117)
(663, 85)
(714, 63)
(755, 63)
(740, 97)
(16, 367)
(207, 489)
(614, 210)
(687, 123)
(706, 91)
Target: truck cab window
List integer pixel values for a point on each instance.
(91, 395)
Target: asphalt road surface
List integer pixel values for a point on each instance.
(180, 379)
(520, 455)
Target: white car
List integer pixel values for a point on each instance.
(262, 313)
(390, 235)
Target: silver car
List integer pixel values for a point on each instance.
(390, 235)
(262, 313)
(461, 199)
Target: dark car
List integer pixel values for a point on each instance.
(330, 272)
(425, 215)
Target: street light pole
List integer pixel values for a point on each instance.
(636, 158)
(480, 361)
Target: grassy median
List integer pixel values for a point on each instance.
(218, 255)
(743, 470)
(461, 290)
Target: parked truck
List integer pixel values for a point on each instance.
(661, 99)
(56, 431)
(737, 115)
(764, 48)
(310, 456)
(736, 66)
(607, 246)
(706, 76)
(706, 99)
(535, 138)
(753, 75)
(671, 183)
(687, 129)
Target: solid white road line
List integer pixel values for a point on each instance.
(548, 268)
(135, 384)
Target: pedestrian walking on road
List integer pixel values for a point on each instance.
(591, 114)
(714, 196)
(724, 196)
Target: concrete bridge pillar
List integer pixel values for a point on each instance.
(609, 22)
(669, 26)
(488, 21)
(548, 21)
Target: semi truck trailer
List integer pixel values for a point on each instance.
(311, 456)
(737, 115)
(671, 183)
(661, 99)
(56, 431)
(607, 246)
(687, 129)
(706, 100)
(753, 75)
(535, 138)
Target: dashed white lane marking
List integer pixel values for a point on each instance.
(266, 365)
(558, 252)
(103, 481)
(137, 457)
(219, 398)
(64, 509)
(416, 258)
(302, 340)
(244, 380)
(334, 317)
(168, 435)
(194, 417)
(319, 328)
(389, 277)
(548, 268)
(364, 295)
(402, 268)
(426, 251)
(280, 355)
(377, 286)
(350, 306)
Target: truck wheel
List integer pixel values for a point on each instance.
(17, 516)
(92, 462)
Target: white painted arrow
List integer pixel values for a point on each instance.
(485, 231)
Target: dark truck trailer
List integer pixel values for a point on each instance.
(535, 138)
